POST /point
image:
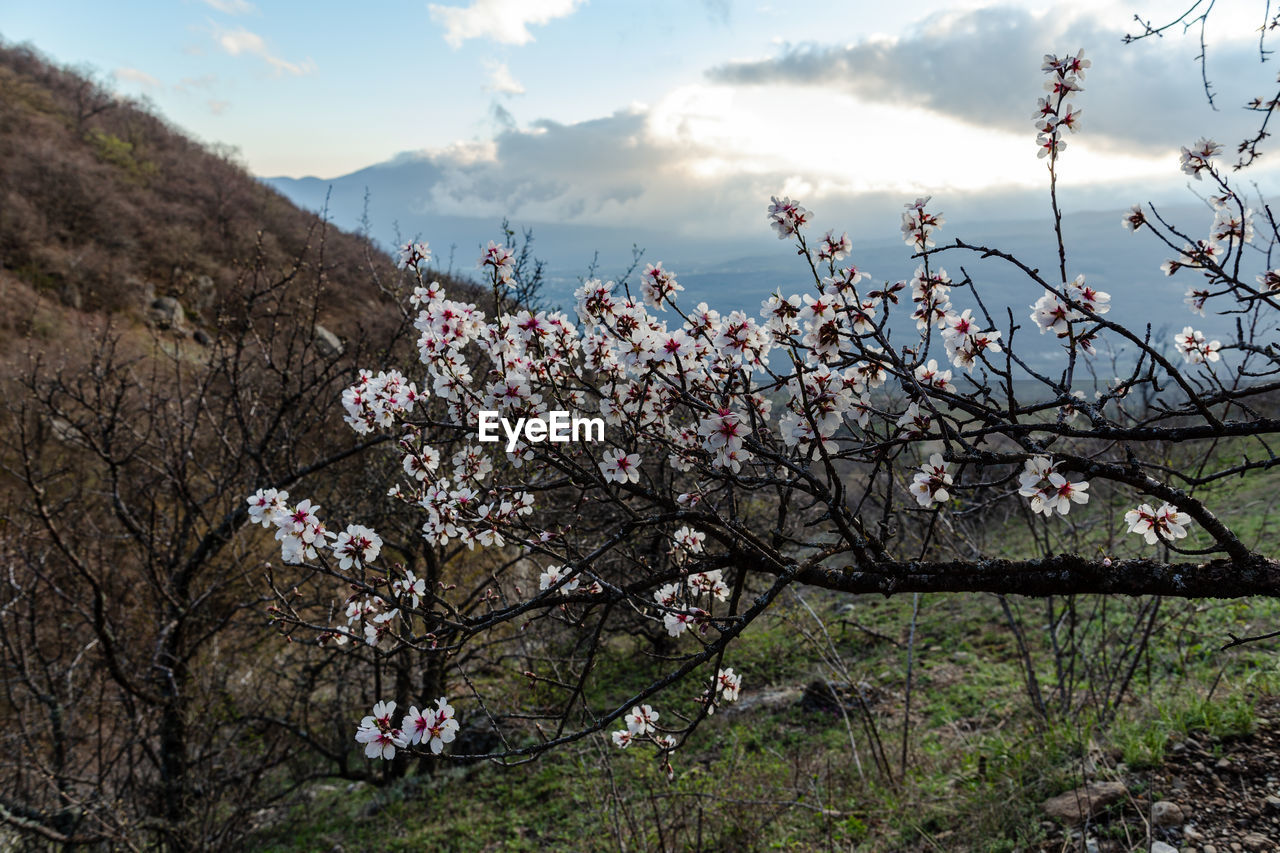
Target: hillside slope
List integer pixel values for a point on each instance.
(104, 207)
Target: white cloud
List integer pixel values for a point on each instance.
(204, 81)
(217, 107)
(133, 75)
(241, 41)
(502, 21)
(232, 7)
(981, 67)
(501, 81)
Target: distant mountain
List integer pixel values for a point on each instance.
(1124, 264)
(395, 198)
(740, 275)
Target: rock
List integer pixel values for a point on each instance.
(1273, 804)
(767, 700)
(1084, 802)
(1165, 813)
(1208, 848)
(821, 696)
(167, 313)
(1254, 841)
(1191, 834)
(1223, 764)
(1161, 847)
(201, 337)
(476, 737)
(203, 291)
(69, 295)
(327, 343)
(1091, 846)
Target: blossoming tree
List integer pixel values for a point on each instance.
(842, 438)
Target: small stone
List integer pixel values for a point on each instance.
(1165, 813)
(1208, 848)
(1273, 803)
(327, 343)
(1091, 845)
(1161, 847)
(1223, 764)
(1254, 841)
(167, 313)
(1192, 834)
(1075, 806)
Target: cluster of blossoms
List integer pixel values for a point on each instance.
(553, 575)
(1052, 314)
(411, 254)
(1055, 112)
(1048, 489)
(677, 601)
(787, 217)
(834, 248)
(1196, 159)
(375, 402)
(374, 613)
(919, 225)
(726, 688)
(1194, 348)
(302, 535)
(618, 466)
(930, 484)
(658, 286)
(962, 336)
(432, 727)
(642, 722)
(1269, 282)
(1165, 523)
(500, 263)
(1231, 229)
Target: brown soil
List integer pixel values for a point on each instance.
(1228, 791)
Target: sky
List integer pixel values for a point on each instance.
(671, 114)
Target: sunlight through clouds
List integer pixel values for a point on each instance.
(844, 144)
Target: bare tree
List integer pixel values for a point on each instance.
(144, 705)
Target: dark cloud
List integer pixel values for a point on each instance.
(502, 116)
(982, 67)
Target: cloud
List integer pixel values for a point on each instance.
(204, 81)
(501, 21)
(133, 75)
(241, 41)
(502, 117)
(232, 7)
(500, 79)
(217, 107)
(982, 67)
